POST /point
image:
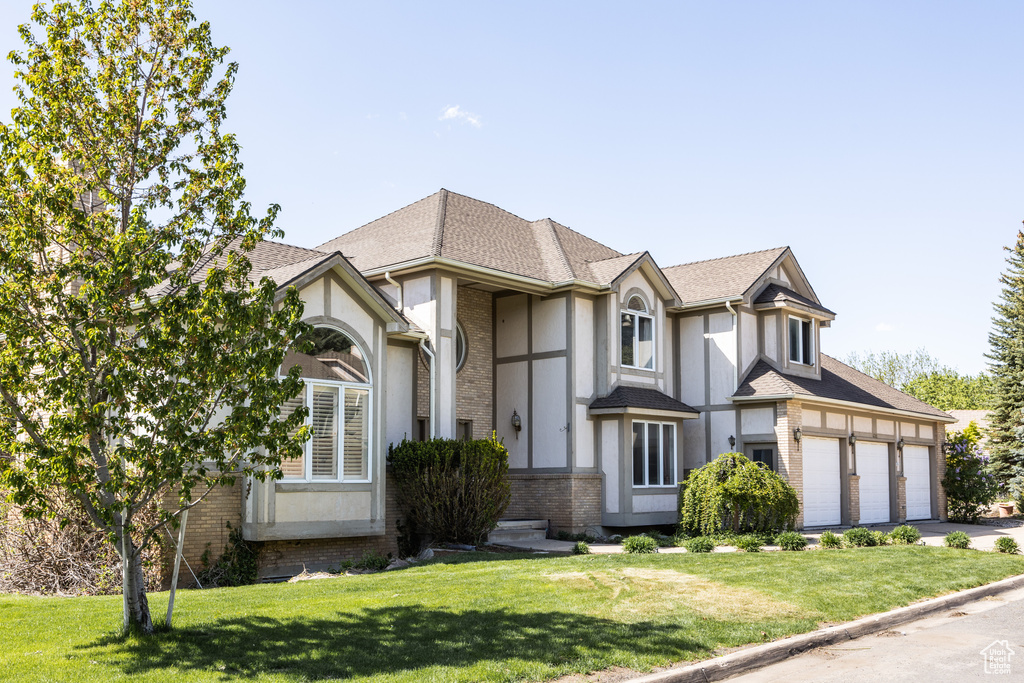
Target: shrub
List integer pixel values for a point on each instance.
(749, 543)
(237, 566)
(581, 548)
(454, 491)
(829, 539)
(881, 538)
(734, 493)
(639, 545)
(373, 561)
(957, 539)
(970, 487)
(662, 540)
(904, 534)
(1005, 544)
(699, 544)
(564, 535)
(791, 540)
(859, 537)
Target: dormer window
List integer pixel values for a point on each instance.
(637, 335)
(801, 341)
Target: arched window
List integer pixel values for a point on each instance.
(337, 392)
(460, 347)
(637, 335)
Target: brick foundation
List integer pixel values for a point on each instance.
(901, 499)
(570, 502)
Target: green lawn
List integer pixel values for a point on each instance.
(528, 618)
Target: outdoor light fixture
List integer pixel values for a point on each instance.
(517, 423)
(853, 440)
(797, 435)
(899, 445)
(732, 442)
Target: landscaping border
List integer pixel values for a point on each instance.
(753, 658)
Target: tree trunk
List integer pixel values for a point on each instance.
(133, 587)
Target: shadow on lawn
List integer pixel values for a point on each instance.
(390, 640)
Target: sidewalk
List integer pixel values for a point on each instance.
(983, 537)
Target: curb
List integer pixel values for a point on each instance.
(756, 657)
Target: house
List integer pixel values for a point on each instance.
(607, 376)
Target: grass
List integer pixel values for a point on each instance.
(476, 618)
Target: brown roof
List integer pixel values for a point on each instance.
(461, 228)
(720, 278)
(774, 293)
(838, 381)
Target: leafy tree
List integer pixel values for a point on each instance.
(139, 361)
(1007, 362)
(925, 378)
(969, 485)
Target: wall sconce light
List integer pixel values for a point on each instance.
(797, 435)
(899, 445)
(732, 442)
(853, 440)
(517, 423)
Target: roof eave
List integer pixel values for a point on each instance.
(818, 313)
(654, 412)
(521, 281)
(808, 398)
(706, 303)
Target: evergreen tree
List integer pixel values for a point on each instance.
(1007, 362)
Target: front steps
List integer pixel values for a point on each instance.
(519, 530)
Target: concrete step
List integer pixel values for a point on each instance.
(519, 530)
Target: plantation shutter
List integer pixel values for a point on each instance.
(293, 467)
(324, 444)
(668, 446)
(356, 445)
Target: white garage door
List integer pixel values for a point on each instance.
(821, 482)
(873, 468)
(919, 489)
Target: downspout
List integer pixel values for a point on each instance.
(398, 286)
(736, 331)
(430, 390)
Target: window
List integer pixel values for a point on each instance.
(637, 336)
(654, 454)
(464, 431)
(765, 455)
(337, 393)
(460, 347)
(801, 341)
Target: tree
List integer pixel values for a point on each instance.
(1007, 362)
(138, 361)
(970, 486)
(924, 377)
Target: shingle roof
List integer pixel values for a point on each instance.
(730, 276)
(774, 293)
(838, 381)
(454, 226)
(637, 397)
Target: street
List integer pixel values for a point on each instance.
(937, 649)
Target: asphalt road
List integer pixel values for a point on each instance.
(937, 649)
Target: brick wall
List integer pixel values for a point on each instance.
(206, 528)
(854, 480)
(940, 469)
(791, 465)
(570, 502)
(474, 385)
(901, 499)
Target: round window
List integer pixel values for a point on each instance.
(460, 347)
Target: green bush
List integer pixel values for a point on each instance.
(699, 544)
(564, 535)
(1005, 544)
(881, 538)
(749, 543)
(639, 545)
(970, 487)
(904, 534)
(581, 548)
(453, 491)
(791, 540)
(734, 493)
(957, 539)
(829, 539)
(373, 561)
(238, 566)
(859, 537)
(661, 539)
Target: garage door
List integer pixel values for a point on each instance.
(821, 482)
(919, 489)
(873, 468)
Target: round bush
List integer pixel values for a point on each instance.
(904, 534)
(859, 537)
(749, 543)
(829, 539)
(970, 486)
(1005, 544)
(791, 540)
(639, 545)
(881, 538)
(734, 493)
(700, 544)
(581, 548)
(957, 539)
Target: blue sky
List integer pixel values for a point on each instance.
(881, 141)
